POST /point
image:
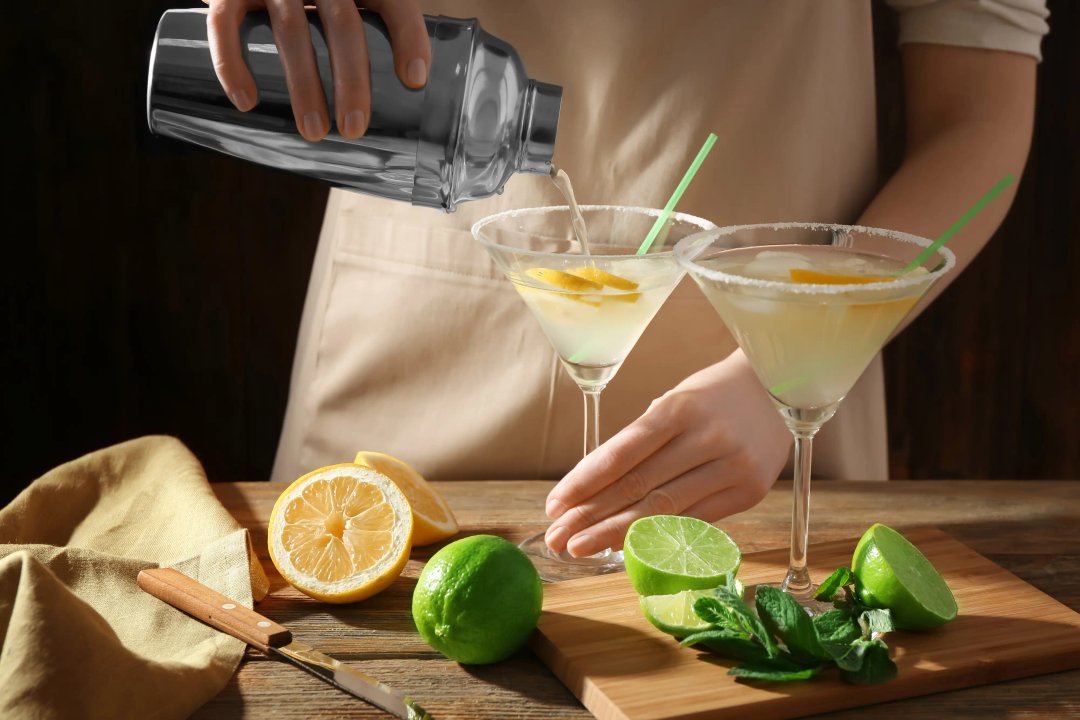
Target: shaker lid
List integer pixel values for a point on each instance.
(543, 103)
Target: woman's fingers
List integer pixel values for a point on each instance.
(672, 498)
(408, 37)
(223, 33)
(701, 493)
(293, 40)
(627, 449)
(648, 479)
(710, 447)
(344, 32)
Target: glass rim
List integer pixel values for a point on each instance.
(683, 249)
(700, 222)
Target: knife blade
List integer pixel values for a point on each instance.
(229, 616)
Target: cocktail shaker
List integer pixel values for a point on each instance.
(478, 120)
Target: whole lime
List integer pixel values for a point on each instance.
(892, 573)
(477, 600)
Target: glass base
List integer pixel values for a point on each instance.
(554, 567)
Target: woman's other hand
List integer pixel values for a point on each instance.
(710, 447)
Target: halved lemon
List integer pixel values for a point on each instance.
(432, 518)
(341, 533)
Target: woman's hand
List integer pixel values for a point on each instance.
(710, 447)
(348, 57)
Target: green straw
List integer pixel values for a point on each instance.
(955, 227)
(677, 195)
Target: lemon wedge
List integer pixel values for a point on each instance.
(432, 518)
(341, 533)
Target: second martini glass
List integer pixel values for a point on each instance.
(810, 305)
(592, 307)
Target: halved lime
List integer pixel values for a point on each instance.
(674, 614)
(666, 554)
(892, 573)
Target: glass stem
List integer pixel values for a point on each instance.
(592, 418)
(797, 582)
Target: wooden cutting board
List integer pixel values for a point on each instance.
(594, 637)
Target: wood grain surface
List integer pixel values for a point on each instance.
(595, 639)
(1028, 527)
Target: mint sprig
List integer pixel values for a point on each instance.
(781, 643)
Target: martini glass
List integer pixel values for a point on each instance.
(810, 305)
(592, 307)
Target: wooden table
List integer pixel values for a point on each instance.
(1031, 528)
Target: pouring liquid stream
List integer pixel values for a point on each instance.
(562, 183)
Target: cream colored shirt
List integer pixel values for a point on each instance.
(412, 342)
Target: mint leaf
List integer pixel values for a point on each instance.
(735, 615)
(836, 626)
(785, 617)
(876, 621)
(712, 634)
(778, 669)
(728, 643)
(836, 630)
(716, 612)
(850, 658)
(827, 590)
(875, 667)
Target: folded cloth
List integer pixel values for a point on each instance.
(78, 638)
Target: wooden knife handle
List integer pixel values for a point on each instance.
(213, 608)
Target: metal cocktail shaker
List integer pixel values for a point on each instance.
(478, 120)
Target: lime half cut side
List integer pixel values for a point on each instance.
(674, 614)
(666, 554)
(892, 573)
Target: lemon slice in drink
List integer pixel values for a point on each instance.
(801, 275)
(610, 280)
(341, 533)
(666, 554)
(563, 280)
(892, 573)
(605, 278)
(433, 520)
(674, 614)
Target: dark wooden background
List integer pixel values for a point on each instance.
(149, 287)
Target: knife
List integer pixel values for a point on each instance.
(229, 616)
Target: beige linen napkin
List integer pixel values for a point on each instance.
(79, 638)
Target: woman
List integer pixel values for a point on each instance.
(413, 343)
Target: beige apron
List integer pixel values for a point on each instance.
(412, 342)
